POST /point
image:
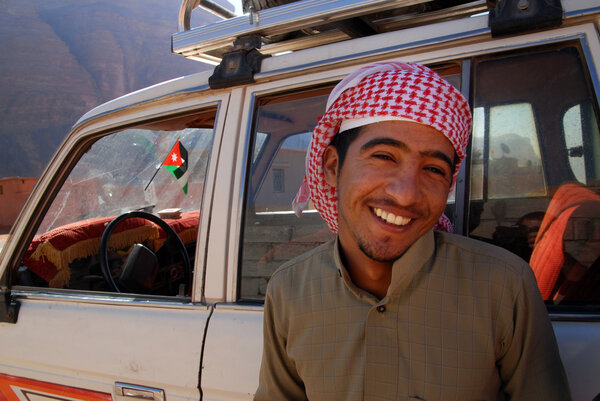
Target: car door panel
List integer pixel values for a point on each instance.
(80, 339)
(579, 342)
(232, 353)
(91, 345)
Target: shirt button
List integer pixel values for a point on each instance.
(381, 308)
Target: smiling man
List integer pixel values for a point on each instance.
(392, 189)
(393, 310)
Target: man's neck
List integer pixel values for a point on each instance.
(368, 274)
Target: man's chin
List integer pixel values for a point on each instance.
(379, 253)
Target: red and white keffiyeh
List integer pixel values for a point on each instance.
(379, 92)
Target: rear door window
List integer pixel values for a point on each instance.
(535, 167)
(272, 233)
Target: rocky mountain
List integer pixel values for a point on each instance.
(60, 58)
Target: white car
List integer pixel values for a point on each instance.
(119, 285)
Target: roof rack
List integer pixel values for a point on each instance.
(310, 23)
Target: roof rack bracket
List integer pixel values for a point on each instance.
(515, 16)
(238, 66)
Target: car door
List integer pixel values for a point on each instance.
(543, 88)
(76, 336)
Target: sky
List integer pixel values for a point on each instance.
(238, 6)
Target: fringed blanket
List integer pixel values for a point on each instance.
(50, 254)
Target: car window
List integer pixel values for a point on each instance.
(157, 169)
(272, 232)
(535, 158)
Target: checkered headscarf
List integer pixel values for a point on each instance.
(379, 92)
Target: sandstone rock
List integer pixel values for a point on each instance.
(60, 58)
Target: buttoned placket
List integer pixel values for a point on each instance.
(386, 364)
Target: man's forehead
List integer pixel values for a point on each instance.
(406, 132)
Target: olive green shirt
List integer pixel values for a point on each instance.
(462, 320)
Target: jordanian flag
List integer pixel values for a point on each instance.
(176, 163)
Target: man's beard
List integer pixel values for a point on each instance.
(377, 255)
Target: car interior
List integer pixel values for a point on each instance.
(121, 222)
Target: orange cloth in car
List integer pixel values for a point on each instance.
(548, 254)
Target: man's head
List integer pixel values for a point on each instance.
(392, 186)
(393, 100)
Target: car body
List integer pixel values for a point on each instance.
(67, 334)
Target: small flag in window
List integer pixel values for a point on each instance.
(176, 164)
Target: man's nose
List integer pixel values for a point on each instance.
(403, 186)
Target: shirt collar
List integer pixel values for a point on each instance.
(403, 270)
(345, 277)
(409, 264)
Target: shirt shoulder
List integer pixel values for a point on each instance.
(503, 273)
(499, 282)
(317, 263)
(481, 253)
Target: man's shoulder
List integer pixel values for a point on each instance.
(476, 251)
(314, 261)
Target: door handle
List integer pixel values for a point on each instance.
(131, 392)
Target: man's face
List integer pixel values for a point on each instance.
(392, 187)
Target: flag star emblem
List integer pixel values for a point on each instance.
(176, 164)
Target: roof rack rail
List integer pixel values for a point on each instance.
(310, 23)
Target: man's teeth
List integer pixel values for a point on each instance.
(391, 218)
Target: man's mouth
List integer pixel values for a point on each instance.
(391, 218)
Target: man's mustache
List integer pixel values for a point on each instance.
(412, 211)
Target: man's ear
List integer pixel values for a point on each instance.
(330, 165)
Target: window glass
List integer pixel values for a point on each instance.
(159, 169)
(534, 167)
(279, 180)
(451, 71)
(285, 175)
(513, 165)
(259, 141)
(477, 149)
(582, 142)
(272, 232)
(574, 142)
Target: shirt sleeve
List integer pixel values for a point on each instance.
(530, 364)
(279, 379)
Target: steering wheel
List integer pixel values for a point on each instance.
(171, 235)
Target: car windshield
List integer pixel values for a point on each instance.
(126, 171)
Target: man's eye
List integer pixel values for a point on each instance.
(383, 156)
(436, 170)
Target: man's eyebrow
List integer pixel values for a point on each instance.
(383, 141)
(439, 155)
(403, 146)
